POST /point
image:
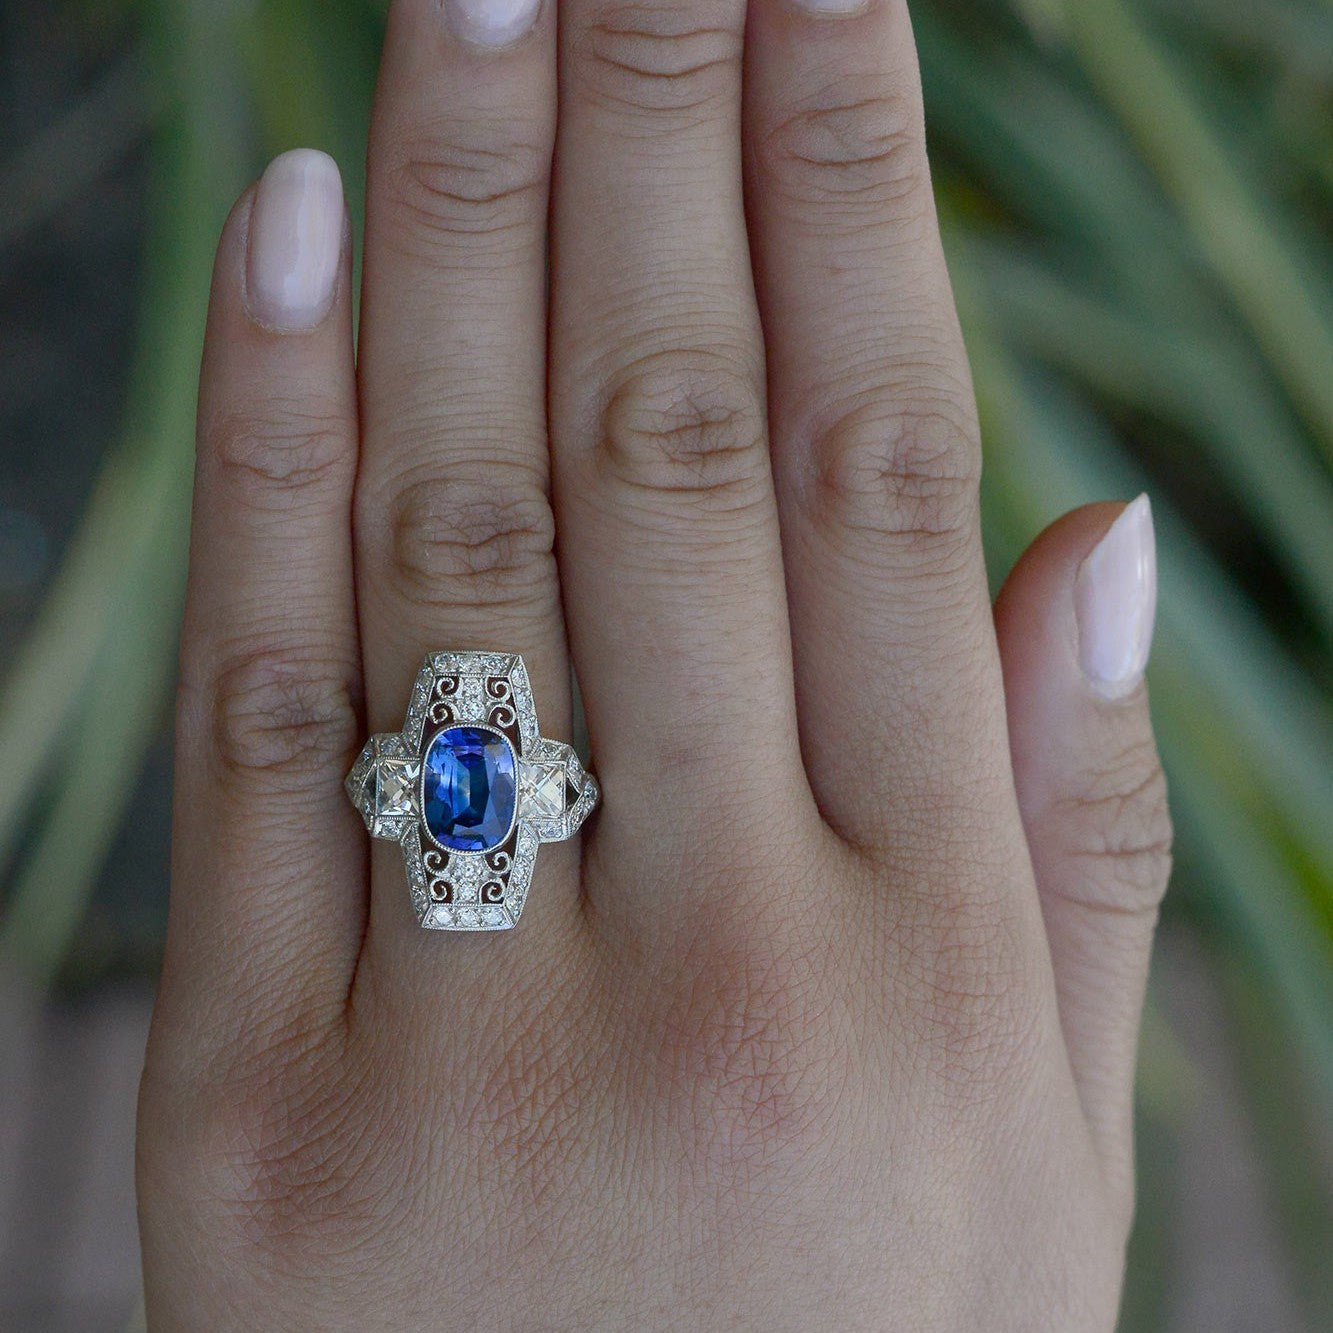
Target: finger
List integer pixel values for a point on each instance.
(454, 530)
(1075, 621)
(875, 440)
(669, 552)
(268, 869)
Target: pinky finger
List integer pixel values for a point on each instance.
(1074, 621)
(268, 872)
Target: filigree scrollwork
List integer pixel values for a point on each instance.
(498, 862)
(441, 709)
(461, 698)
(438, 886)
(499, 708)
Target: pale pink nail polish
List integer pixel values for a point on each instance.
(294, 249)
(833, 7)
(1115, 603)
(491, 22)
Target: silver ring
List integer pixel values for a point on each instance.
(469, 789)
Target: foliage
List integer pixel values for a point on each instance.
(1133, 193)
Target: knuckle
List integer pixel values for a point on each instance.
(284, 456)
(531, 1102)
(744, 1036)
(489, 184)
(904, 467)
(281, 713)
(686, 428)
(860, 147)
(651, 57)
(963, 982)
(463, 540)
(278, 1144)
(1118, 825)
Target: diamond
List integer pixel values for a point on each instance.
(389, 798)
(466, 871)
(469, 700)
(395, 780)
(543, 791)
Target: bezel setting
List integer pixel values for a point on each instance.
(554, 793)
(429, 739)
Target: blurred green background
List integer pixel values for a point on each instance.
(1136, 196)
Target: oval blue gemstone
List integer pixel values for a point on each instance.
(468, 789)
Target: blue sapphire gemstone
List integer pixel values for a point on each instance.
(468, 788)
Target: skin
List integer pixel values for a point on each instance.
(828, 1020)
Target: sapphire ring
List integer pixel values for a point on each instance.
(469, 789)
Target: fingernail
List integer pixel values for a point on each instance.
(1115, 602)
(295, 243)
(832, 6)
(491, 22)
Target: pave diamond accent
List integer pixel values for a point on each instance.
(466, 872)
(446, 916)
(469, 700)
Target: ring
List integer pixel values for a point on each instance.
(469, 789)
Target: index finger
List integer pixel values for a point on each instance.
(268, 874)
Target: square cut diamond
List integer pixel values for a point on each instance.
(544, 791)
(395, 787)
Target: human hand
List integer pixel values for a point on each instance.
(829, 1019)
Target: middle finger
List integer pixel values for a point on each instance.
(454, 528)
(453, 522)
(669, 549)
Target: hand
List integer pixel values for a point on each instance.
(829, 1020)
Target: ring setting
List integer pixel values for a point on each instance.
(469, 789)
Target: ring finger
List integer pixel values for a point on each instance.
(670, 553)
(454, 532)
(875, 441)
